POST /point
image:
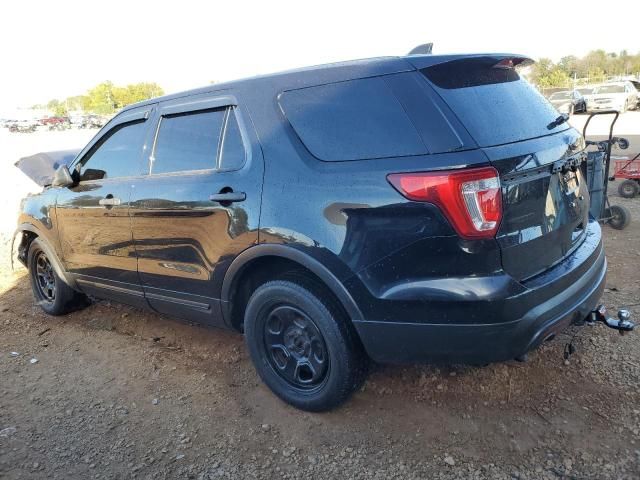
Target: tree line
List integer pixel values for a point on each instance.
(104, 99)
(595, 67)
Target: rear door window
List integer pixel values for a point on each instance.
(352, 120)
(188, 141)
(496, 105)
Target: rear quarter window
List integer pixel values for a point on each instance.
(352, 120)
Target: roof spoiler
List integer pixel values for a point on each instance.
(424, 49)
(505, 61)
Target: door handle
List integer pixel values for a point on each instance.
(228, 197)
(109, 202)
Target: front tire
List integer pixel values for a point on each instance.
(302, 346)
(53, 295)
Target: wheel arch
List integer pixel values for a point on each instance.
(254, 256)
(32, 232)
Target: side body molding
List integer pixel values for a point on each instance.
(244, 260)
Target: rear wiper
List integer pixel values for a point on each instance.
(558, 121)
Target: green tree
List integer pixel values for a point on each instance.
(100, 99)
(570, 64)
(596, 75)
(76, 102)
(136, 92)
(58, 108)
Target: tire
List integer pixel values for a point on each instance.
(620, 217)
(302, 345)
(53, 295)
(628, 189)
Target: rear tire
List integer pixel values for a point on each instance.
(53, 295)
(628, 189)
(302, 345)
(620, 217)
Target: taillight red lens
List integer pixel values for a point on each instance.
(470, 199)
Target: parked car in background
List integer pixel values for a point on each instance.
(586, 93)
(568, 101)
(56, 123)
(24, 125)
(92, 121)
(636, 85)
(618, 96)
(408, 209)
(76, 120)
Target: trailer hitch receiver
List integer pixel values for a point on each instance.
(623, 323)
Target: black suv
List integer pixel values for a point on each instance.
(397, 209)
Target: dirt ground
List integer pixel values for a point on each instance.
(121, 393)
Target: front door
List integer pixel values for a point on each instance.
(93, 216)
(198, 207)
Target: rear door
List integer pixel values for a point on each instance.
(545, 199)
(198, 207)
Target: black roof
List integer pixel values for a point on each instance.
(330, 72)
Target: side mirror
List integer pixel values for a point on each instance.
(62, 177)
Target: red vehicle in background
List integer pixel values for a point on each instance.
(56, 123)
(629, 170)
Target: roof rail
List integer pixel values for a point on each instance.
(424, 49)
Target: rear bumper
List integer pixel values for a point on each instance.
(561, 296)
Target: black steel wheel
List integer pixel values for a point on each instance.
(53, 295)
(302, 346)
(628, 188)
(620, 217)
(45, 277)
(295, 347)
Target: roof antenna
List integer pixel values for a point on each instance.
(424, 49)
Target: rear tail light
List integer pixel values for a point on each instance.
(470, 199)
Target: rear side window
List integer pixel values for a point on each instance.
(117, 155)
(188, 142)
(495, 105)
(233, 152)
(352, 120)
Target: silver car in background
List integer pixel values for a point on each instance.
(618, 96)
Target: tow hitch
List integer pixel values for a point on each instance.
(623, 323)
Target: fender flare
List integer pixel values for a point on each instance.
(50, 252)
(244, 259)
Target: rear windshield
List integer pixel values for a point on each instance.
(496, 105)
(560, 96)
(610, 89)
